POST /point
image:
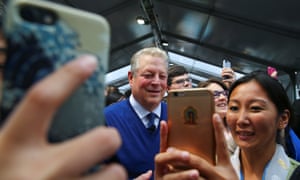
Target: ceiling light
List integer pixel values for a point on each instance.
(142, 20)
(164, 43)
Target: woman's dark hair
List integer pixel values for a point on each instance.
(275, 92)
(210, 81)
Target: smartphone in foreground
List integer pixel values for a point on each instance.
(42, 36)
(190, 122)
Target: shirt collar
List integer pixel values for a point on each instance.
(140, 110)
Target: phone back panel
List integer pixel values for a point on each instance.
(190, 122)
(39, 43)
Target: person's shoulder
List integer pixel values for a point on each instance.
(163, 103)
(118, 106)
(294, 163)
(164, 106)
(295, 144)
(294, 170)
(294, 136)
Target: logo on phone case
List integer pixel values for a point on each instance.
(190, 115)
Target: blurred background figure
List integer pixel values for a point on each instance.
(110, 89)
(113, 97)
(2, 59)
(2, 45)
(296, 122)
(178, 78)
(227, 73)
(220, 92)
(127, 93)
(113, 94)
(272, 72)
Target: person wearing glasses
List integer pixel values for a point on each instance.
(178, 78)
(220, 92)
(258, 114)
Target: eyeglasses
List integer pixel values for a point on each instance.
(181, 81)
(219, 93)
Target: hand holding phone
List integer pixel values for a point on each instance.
(25, 151)
(222, 169)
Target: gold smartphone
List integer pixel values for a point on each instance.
(190, 122)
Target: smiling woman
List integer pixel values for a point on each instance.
(258, 113)
(220, 92)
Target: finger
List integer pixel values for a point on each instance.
(221, 145)
(172, 156)
(111, 172)
(206, 169)
(199, 163)
(31, 118)
(192, 174)
(227, 70)
(230, 80)
(99, 144)
(145, 176)
(177, 157)
(163, 136)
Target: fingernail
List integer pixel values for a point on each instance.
(170, 149)
(194, 174)
(88, 62)
(217, 117)
(185, 155)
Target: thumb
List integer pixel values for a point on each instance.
(221, 145)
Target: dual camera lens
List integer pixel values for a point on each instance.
(37, 15)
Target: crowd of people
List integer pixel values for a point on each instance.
(252, 126)
(255, 113)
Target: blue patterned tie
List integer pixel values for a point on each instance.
(150, 125)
